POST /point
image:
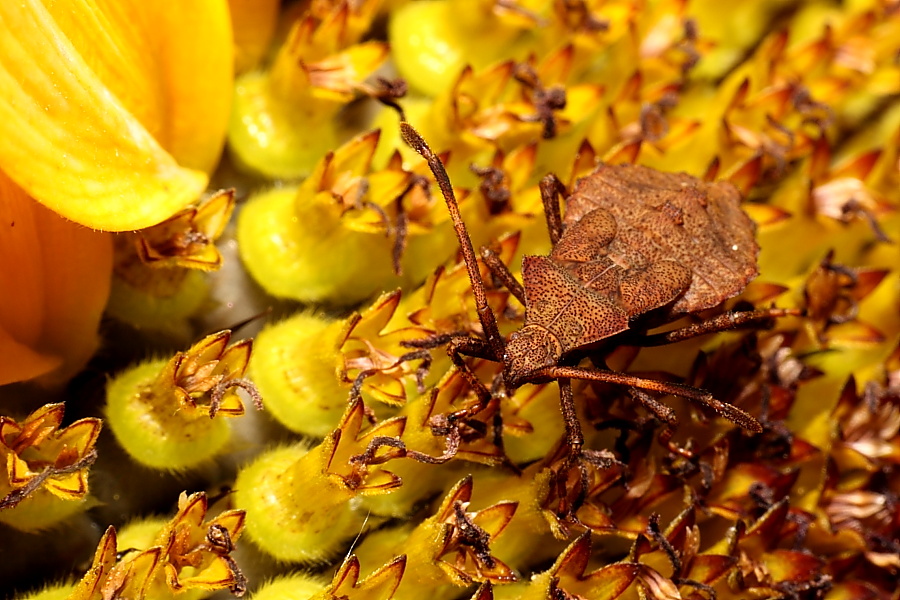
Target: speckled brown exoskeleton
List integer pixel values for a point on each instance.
(637, 248)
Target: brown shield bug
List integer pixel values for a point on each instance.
(637, 248)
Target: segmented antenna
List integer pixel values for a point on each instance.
(485, 314)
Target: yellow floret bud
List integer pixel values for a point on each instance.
(300, 502)
(163, 412)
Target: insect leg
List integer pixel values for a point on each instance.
(461, 346)
(578, 456)
(728, 411)
(502, 272)
(574, 435)
(421, 372)
(723, 322)
(551, 189)
(458, 346)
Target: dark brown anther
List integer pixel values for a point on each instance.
(400, 228)
(656, 535)
(473, 536)
(493, 187)
(654, 125)
(19, 494)
(813, 111)
(833, 292)
(219, 540)
(421, 355)
(546, 100)
(369, 457)
(388, 91)
(578, 17)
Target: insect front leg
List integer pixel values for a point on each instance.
(574, 435)
(448, 425)
(499, 270)
(457, 348)
(578, 457)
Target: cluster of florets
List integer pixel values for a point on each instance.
(373, 445)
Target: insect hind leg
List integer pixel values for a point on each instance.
(730, 412)
(724, 322)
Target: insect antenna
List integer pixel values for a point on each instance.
(485, 314)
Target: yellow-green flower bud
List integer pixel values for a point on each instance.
(432, 41)
(294, 364)
(300, 586)
(163, 412)
(300, 501)
(58, 591)
(284, 119)
(157, 284)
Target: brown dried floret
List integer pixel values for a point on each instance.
(39, 454)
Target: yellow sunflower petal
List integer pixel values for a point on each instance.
(197, 68)
(77, 263)
(23, 362)
(61, 274)
(173, 76)
(20, 313)
(70, 143)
